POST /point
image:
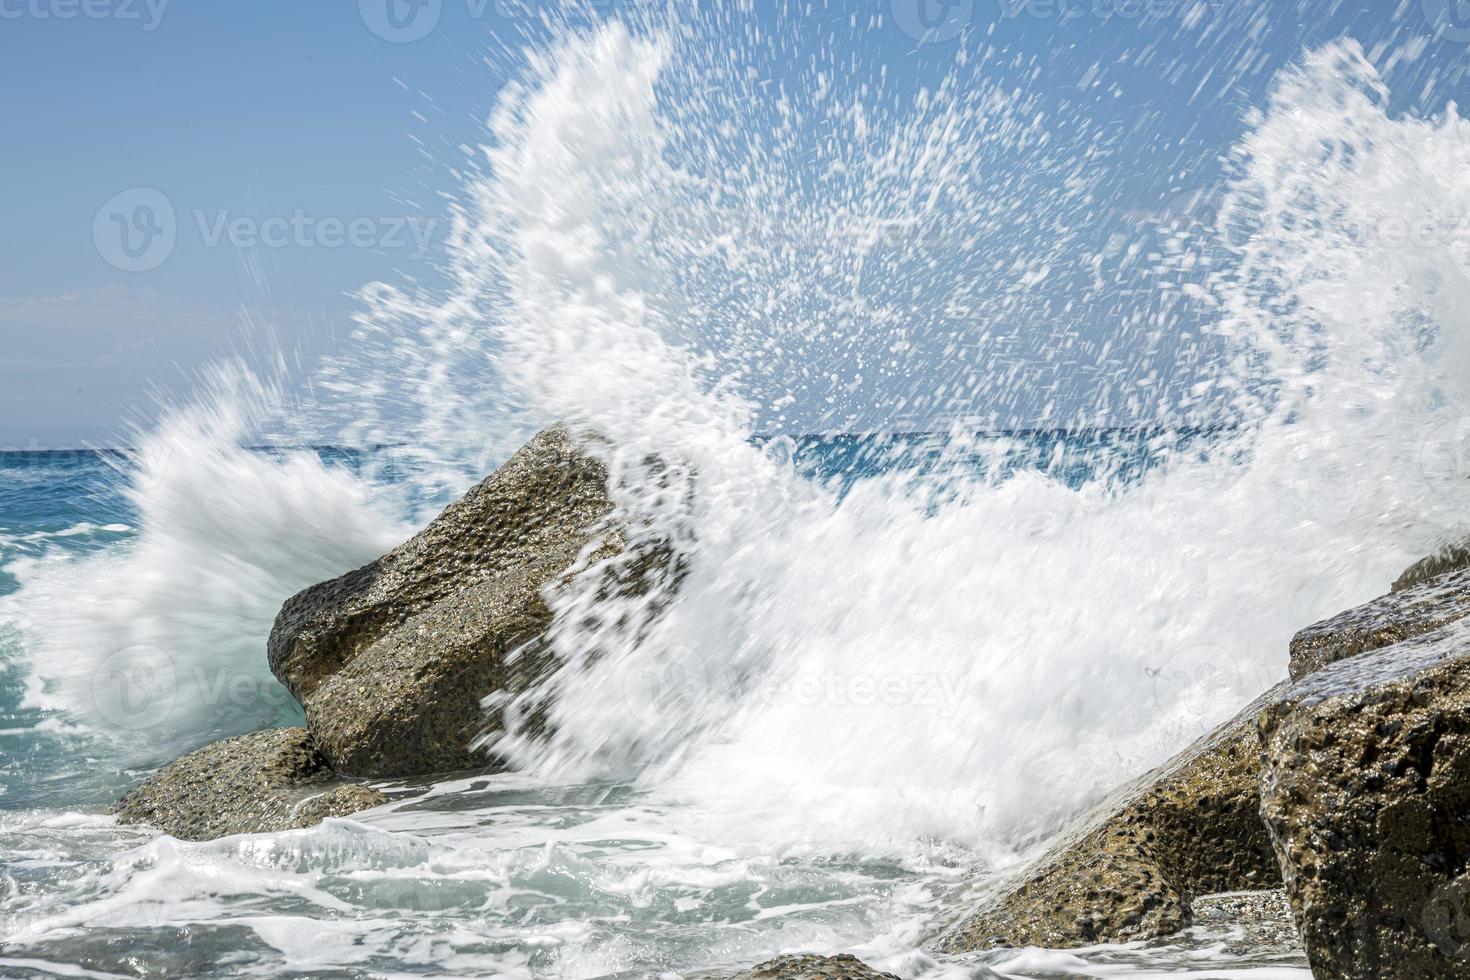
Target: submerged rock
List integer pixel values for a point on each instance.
(807, 967)
(1132, 867)
(1411, 611)
(1366, 789)
(1257, 922)
(392, 660)
(262, 782)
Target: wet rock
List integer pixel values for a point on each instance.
(843, 967)
(1447, 559)
(1413, 610)
(391, 660)
(1365, 787)
(266, 781)
(1257, 922)
(1132, 867)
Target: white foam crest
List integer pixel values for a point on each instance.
(160, 640)
(1026, 645)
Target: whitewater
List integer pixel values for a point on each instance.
(887, 675)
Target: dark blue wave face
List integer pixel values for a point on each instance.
(45, 493)
(59, 499)
(76, 500)
(1113, 457)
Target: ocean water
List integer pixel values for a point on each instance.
(475, 876)
(900, 660)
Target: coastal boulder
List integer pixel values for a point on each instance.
(1131, 868)
(1365, 788)
(809, 967)
(263, 782)
(391, 660)
(1412, 610)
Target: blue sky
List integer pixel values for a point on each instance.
(336, 146)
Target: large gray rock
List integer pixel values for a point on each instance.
(1131, 868)
(1410, 611)
(266, 781)
(1366, 790)
(391, 661)
(540, 507)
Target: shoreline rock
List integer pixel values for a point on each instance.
(1365, 788)
(263, 782)
(1407, 612)
(812, 967)
(391, 660)
(1131, 868)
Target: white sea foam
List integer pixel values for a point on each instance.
(1078, 634)
(158, 642)
(845, 690)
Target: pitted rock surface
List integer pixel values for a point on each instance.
(843, 967)
(1366, 789)
(1132, 867)
(1411, 611)
(263, 782)
(392, 660)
